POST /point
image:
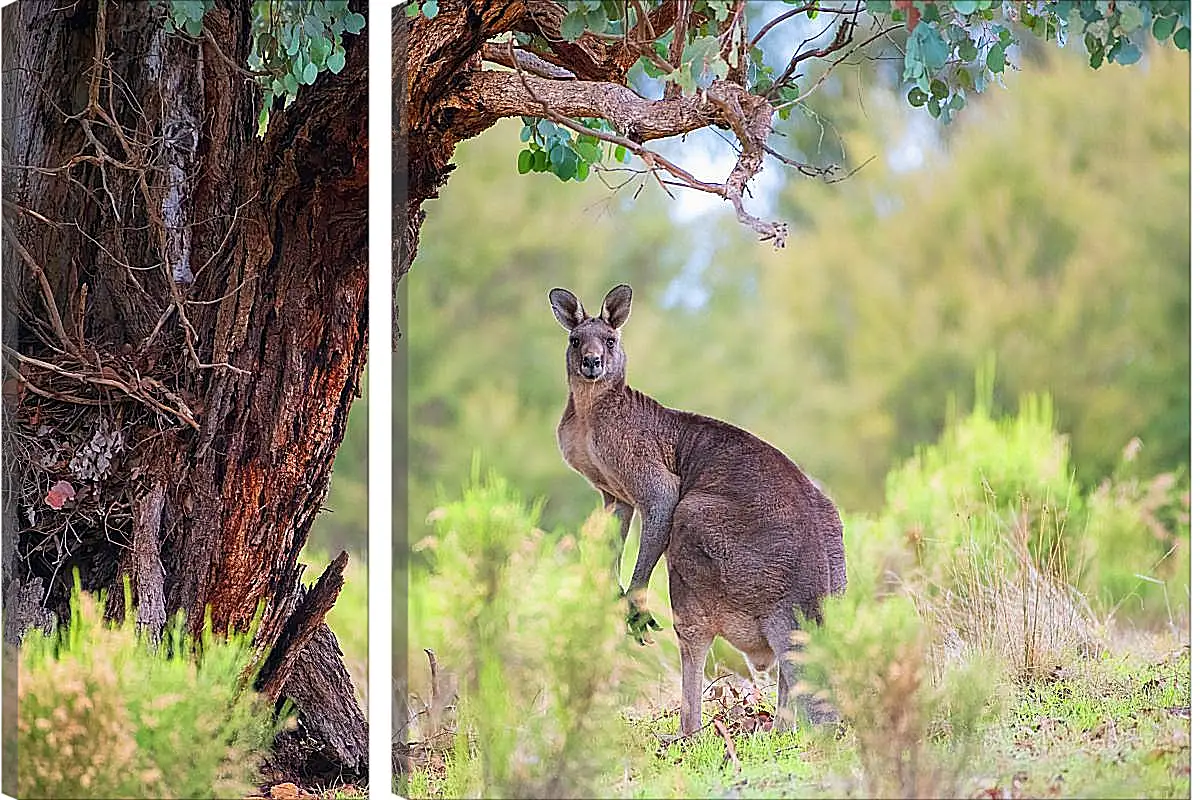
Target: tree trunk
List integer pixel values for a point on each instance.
(184, 333)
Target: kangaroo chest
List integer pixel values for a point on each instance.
(584, 451)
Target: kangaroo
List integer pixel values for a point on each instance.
(749, 540)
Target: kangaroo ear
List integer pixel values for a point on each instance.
(617, 304)
(567, 308)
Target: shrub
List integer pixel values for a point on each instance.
(532, 629)
(103, 713)
(1012, 558)
(915, 727)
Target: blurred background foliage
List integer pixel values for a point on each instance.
(1047, 229)
(978, 344)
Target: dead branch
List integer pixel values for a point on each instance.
(138, 390)
(843, 37)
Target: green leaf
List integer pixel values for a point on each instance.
(995, 58)
(526, 133)
(1126, 53)
(1132, 19)
(573, 25)
(939, 89)
(935, 110)
(264, 115)
(429, 9)
(356, 22)
(310, 74)
(581, 171)
(926, 50)
(597, 20)
(916, 97)
(291, 36)
(541, 161)
(588, 151)
(720, 68)
(957, 102)
(965, 6)
(313, 27)
(621, 154)
(524, 161)
(336, 61)
(1183, 38)
(194, 27)
(879, 6)
(967, 50)
(290, 84)
(318, 50)
(548, 131)
(412, 9)
(1163, 27)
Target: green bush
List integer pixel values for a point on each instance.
(531, 628)
(101, 712)
(997, 497)
(915, 722)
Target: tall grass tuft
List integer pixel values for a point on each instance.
(102, 712)
(531, 628)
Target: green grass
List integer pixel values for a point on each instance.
(1114, 727)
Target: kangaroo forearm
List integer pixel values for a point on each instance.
(655, 530)
(624, 514)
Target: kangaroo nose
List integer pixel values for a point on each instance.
(591, 362)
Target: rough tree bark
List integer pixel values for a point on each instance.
(185, 329)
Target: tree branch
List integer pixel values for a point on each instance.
(724, 102)
(524, 60)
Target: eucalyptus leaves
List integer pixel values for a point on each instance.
(292, 42)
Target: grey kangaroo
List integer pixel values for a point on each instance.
(749, 540)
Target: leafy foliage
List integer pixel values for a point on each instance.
(957, 48)
(292, 42)
(553, 148)
(521, 622)
(951, 49)
(102, 712)
(1018, 236)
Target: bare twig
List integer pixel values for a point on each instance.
(47, 293)
(110, 378)
(49, 394)
(730, 753)
(843, 37)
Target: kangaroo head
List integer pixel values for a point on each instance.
(594, 348)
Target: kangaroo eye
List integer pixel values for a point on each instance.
(575, 342)
(611, 342)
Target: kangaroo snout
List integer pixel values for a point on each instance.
(592, 367)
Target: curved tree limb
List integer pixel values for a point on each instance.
(636, 119)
